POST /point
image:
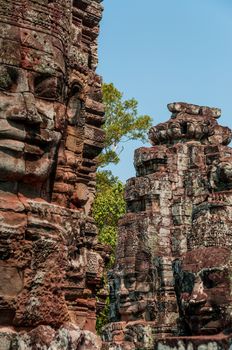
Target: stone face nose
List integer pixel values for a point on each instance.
(32, 115)
(198, 295)
(123, 292)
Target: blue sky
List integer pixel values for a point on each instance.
(160, 51)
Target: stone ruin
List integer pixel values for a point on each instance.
(50, 117)
(170, 288)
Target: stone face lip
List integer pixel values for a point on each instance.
(178, 107)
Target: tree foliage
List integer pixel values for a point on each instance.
(122, 123)
(108, 207)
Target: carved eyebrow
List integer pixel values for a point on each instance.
(211, 269)
(39, 78)
(130, 275)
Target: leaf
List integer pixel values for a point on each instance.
(122, 123)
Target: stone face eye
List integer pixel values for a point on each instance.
(212, 279)
(48, 87)
(129, 281)
(8, 77)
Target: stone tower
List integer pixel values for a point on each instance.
(171, 284)
(51, 114)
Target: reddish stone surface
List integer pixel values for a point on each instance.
(171, 284)
(51, 114)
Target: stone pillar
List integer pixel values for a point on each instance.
(51, 114)
(172, 273)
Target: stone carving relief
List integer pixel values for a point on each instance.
(203, 285)
(135, 282)
(51, 112)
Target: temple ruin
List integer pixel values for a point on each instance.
(171, 284)
(170, 288)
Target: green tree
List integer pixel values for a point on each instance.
(122, 124)
(109, 206)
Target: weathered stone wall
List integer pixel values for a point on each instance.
(51, 114)
(172, 275)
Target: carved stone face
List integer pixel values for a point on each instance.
(203, 282)
(31, 94)
(135, 290)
